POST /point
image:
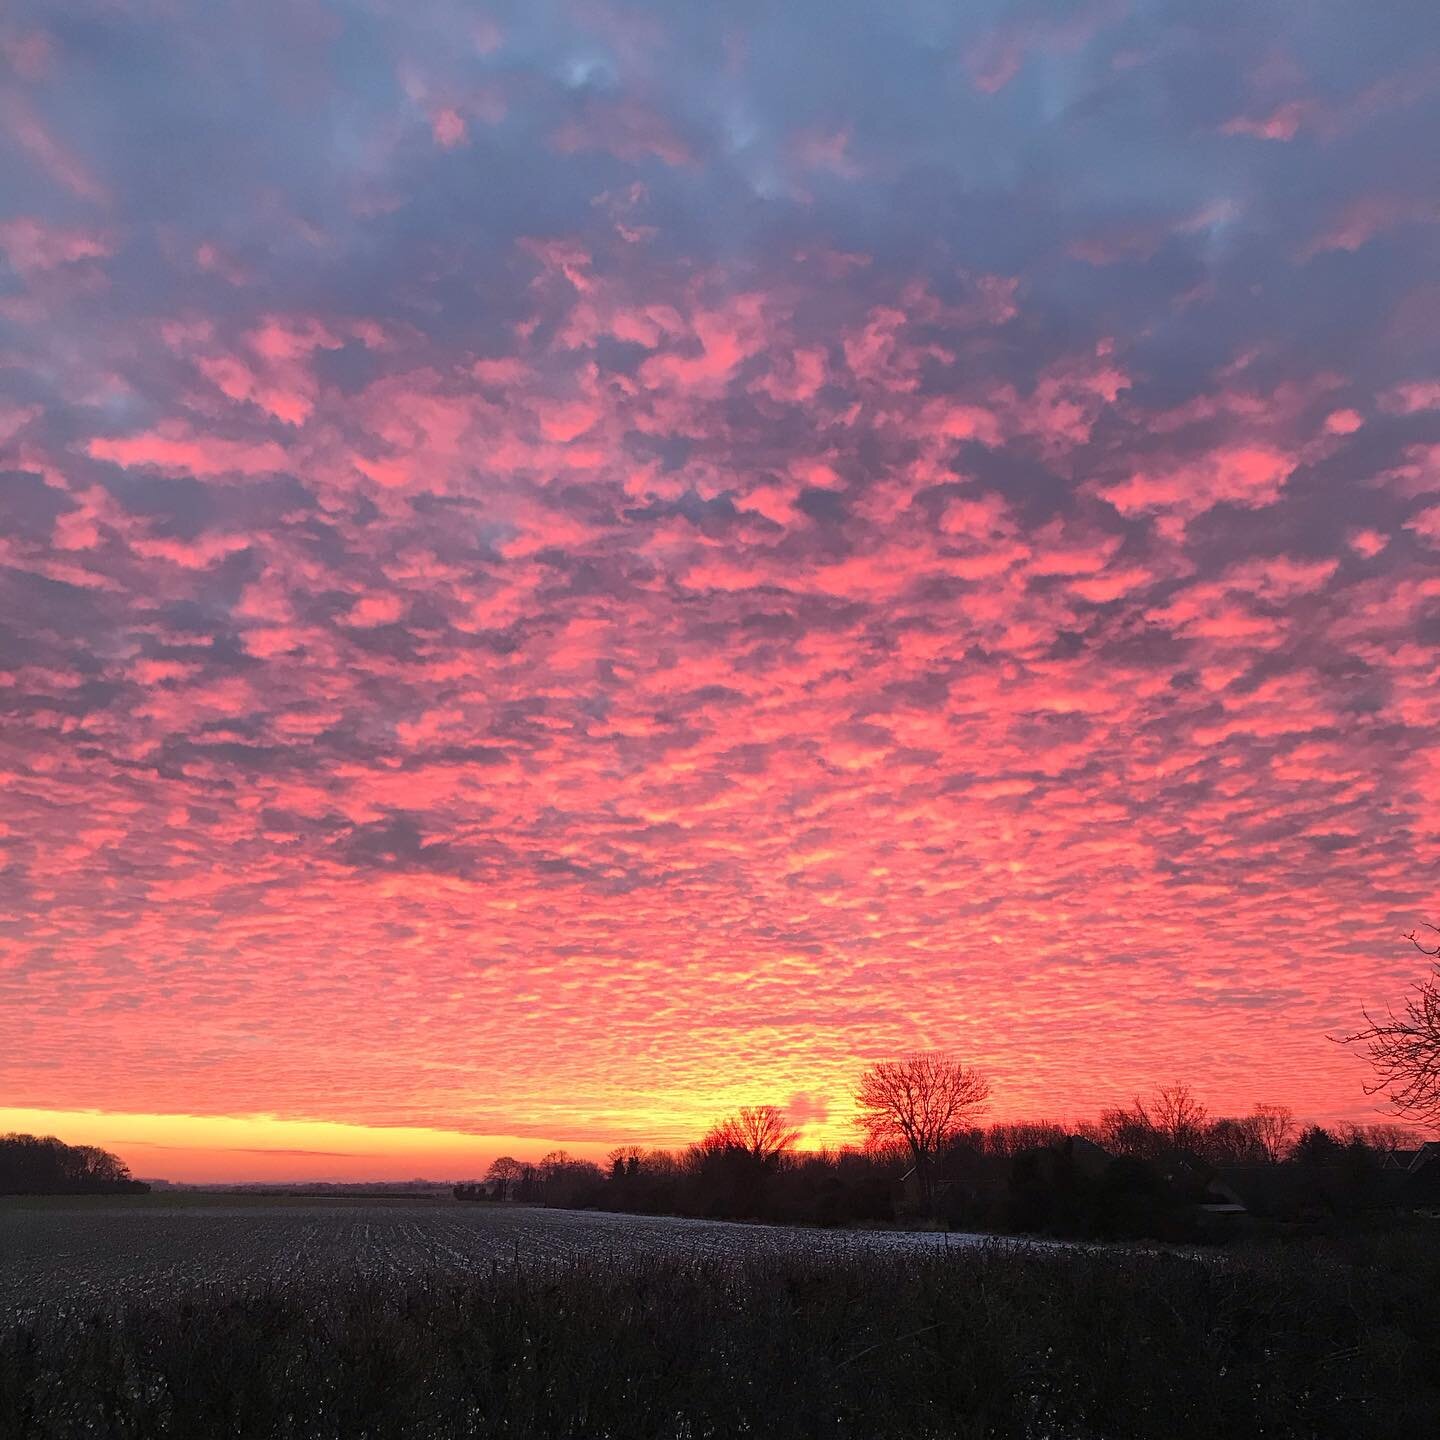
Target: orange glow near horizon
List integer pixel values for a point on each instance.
(195, 1149)
(217, 1149)
(595, 578)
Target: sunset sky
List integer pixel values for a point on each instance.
(568, 566)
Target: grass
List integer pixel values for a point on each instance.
(986, 1342)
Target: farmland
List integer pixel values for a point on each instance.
(198, 1316)
(101, 1249)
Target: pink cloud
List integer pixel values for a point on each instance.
(1282, 123)
(212, 259)
(376, 610)
(174, 446)
(61, 164)
(448, 127)
(724, 338)
(997, 57)
(197, 554)
(28, 52)
(1367, 216)
(32, 245)
(826, 150)
(1411, 398)
(1368, 543)
(1246, 475)
(1426, 524)
(627, 129)
(487, 35)
(568, 420)
(14, 418)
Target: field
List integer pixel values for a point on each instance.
(94, 1250)
(198, 1317)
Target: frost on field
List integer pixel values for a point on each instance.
(98, 1254)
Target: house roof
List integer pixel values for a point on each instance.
(1413, 1160)
(1262, 1187)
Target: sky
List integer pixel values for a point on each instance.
(568, 566)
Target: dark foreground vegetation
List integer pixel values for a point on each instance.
(1288, 1341)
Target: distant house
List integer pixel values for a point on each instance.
(1405, 1180)
(1184, 1171)
(477, 1190)
(1411, 1178)
(1412, 1161)
(1089, 1158)
(1266, 1192)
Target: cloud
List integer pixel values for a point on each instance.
(175, 446)
(31, 245)
(555, 579)
(803, 1109)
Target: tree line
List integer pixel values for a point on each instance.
(1145, 1169)
(43, 1165)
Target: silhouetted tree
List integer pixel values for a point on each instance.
(1133, 1201)
(1177, 1117)
(43, 1165)
(1358, 1170)
(1405, 1049)
(1384, 1139)
(1260, 1138)
(504, 1174)
(1016, 1136)
(732, 1165)
(1125, 1132)
(1172, 1122)
(1273, 1125)
(922, 1101)
(1316, 1147)
(527, 1185)
(564, 1182)
(1234, 1141)
(624, 1163)
(759, 1130)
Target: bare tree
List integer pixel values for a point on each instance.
(565, 1181)
(1016, 1136)
(1178, 1117)
(1273, 1126)
(760, 1130)
(1232, 1141)
(1386, 1138)
(665, 1164)
(1171, 1120)
(504, 1173)
(921, 1101)
(1405, 1049)
(1124, 1132)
